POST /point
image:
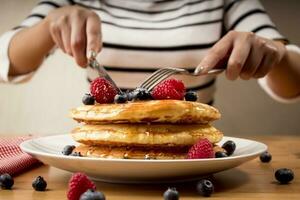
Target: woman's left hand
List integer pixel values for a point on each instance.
(246, 54)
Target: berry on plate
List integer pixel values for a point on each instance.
(103, 91)
(205, 187)
(284, 175)
(6, 181)
(171, 194)
(265, 157)
(78, 154)
(68, 150)
(220, 154)
(229, 146)
(91, 194)
(169, 89)
(202, 149)
(78, 184)
(39, 184)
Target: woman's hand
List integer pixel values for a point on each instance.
(245, 54)
(76, 31)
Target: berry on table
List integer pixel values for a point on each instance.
(88, 99)
(284, 175)
(171, 194)
(68, 150)
(191, 96)
(6, 181)
(78, 184)
(229, 146)
(169, 89)
(220, 154)
(120, 98)
(265, 157)
(205, 187)
(103, 91)
(91, 194)
(202, 149)
(39, 184)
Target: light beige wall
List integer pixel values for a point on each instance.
(41, 106)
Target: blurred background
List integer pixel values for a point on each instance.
(41, 106)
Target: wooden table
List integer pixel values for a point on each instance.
(252, 180)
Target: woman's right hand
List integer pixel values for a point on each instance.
(76, 31)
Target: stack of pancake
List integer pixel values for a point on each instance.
(155, 129)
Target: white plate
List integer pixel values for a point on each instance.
(48, 150)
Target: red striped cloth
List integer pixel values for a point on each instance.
(12, 159)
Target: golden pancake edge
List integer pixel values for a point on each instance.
(145, 135)
(153, 111)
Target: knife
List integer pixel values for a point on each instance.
(94, 64)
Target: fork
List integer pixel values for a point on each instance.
(93, 63)
(163, 73)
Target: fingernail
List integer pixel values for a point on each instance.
(199, 69)
(91, 54)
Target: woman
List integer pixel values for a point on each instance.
(137, 37)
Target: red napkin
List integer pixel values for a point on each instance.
(12, 159)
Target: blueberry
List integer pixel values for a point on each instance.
(6, 181)
(229, 146)
(284, 175)
(141, 94)
(191, 96)
(78, 154)
(39, 184)
(88, 99)
(265, 157)
(171, 194)
(91, 194)
(68, 150)
(120, 98)
(220, 154)
(205, 187)
(130, 95)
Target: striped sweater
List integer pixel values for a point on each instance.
(140, 36)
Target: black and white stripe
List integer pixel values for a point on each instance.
(140, 36)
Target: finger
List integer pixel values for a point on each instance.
(56, 36)
(66, 38)
(253, 61)
(238, 57)
(93, 33)
(265, 66)
(215, 54)
(78, 40)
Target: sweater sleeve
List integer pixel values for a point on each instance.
(250, 16)
(38, 13)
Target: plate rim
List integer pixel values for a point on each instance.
(45, 154)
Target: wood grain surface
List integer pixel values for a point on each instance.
(252, 180)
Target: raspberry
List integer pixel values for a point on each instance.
(78, 184)
(169, 89)
(103, 91)
(202, 149)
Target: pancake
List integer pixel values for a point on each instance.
(145, 135)
(155, 111)
(132, 153)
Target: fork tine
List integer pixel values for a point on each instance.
(177, 70)
(157, 72)
(156, 77)
(159, 78)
